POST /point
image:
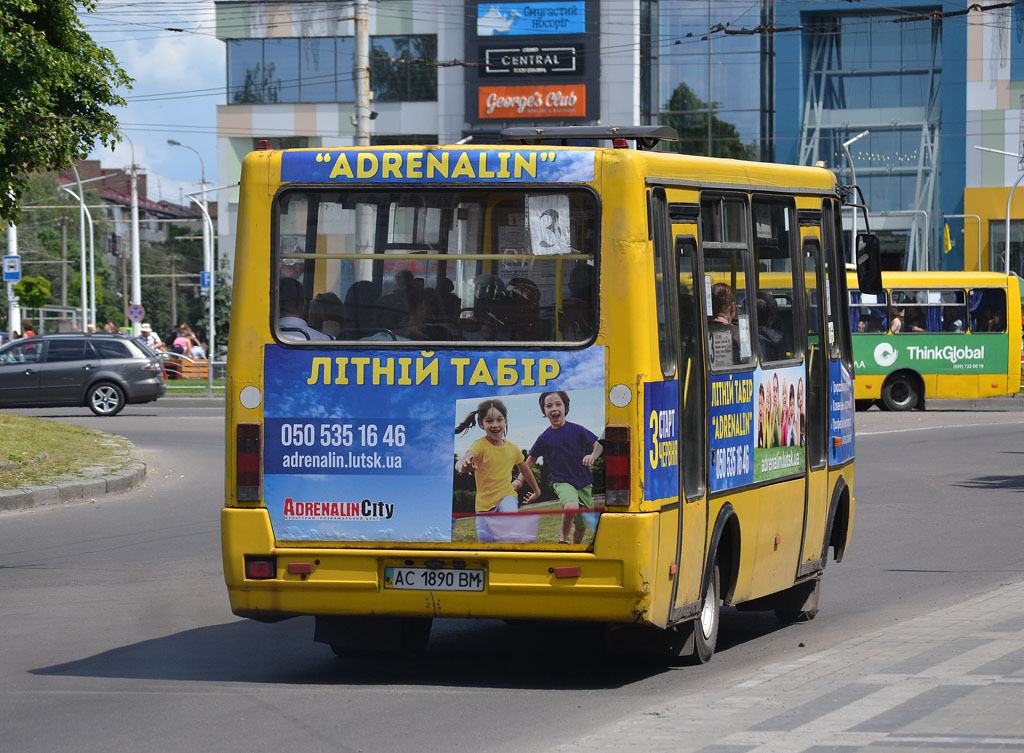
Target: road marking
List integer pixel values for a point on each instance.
(940, 426)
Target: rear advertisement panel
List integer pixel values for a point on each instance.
(361, 446)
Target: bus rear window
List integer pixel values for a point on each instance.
(412, 265)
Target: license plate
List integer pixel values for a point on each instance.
(427, 579)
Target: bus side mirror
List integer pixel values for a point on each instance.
(869, 264)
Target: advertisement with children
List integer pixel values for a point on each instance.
(758, 426)
(422, 446)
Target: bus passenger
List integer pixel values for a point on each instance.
(951, 321)
(327, 314)
(896, 320)
(491, 459)
(561, 446)
(291, 301)
(724, 335)
(769, 337)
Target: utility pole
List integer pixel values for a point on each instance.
(14, 317)
(174, 293)
(64, 261)
(361, 71)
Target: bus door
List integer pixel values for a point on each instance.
(817, 395)
(691, 406)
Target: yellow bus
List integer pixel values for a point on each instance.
(938, 335)
(535, 381)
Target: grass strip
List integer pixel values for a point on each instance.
(37, 451)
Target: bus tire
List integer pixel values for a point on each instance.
(799, 603)
(900, 393)
(705, 627)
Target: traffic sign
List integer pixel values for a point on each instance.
(204, 279)
(12, 268)
(136, 313)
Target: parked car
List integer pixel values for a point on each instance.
(104, 372)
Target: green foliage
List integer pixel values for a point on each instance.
(33, 292)
(58, 87)
(688, 114)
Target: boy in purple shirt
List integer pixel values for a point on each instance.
(569, 450)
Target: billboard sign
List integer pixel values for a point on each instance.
(530, 19)
(551, 101)
(530, 60)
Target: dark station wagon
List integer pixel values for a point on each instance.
(104, 372)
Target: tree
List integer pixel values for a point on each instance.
(32, 292)
(58, 87)
(688, 114)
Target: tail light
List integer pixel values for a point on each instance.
(153, 365)
(616, 465)
(260, 568)
(247, 463)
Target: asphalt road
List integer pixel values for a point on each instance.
(116, 633)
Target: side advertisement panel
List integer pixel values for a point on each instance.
(840, 413)
(930, 353)
(757, 426)
(409, 446)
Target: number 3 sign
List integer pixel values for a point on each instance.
(548, 219)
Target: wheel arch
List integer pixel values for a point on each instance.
(837, 531)
(725, 541)
(104, 376)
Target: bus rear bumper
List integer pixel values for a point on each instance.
(610, 584)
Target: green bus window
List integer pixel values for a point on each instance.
(988, 310)
(869, 312)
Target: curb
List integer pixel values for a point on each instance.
(74, 491)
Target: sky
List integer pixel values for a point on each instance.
(179, 81)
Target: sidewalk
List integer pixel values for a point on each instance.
(952, 680)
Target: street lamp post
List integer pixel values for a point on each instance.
(1009, 200)
(853, 181)
(136, 297)
(88, 287)
(207, 222)
(207, 231)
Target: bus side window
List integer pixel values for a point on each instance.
(725, 249)
(988, 310)
(774, 248)
(868, 312)
(664, 283)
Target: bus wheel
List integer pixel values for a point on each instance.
(799, 603)
(900, 393)
(705, 627)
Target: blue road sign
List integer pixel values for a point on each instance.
(12, 268)
(204, 279)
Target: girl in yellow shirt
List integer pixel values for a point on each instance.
(492, 458)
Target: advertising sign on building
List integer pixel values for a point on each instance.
(518, 42)
(511, 102)
(530, 60)
(530, 19)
